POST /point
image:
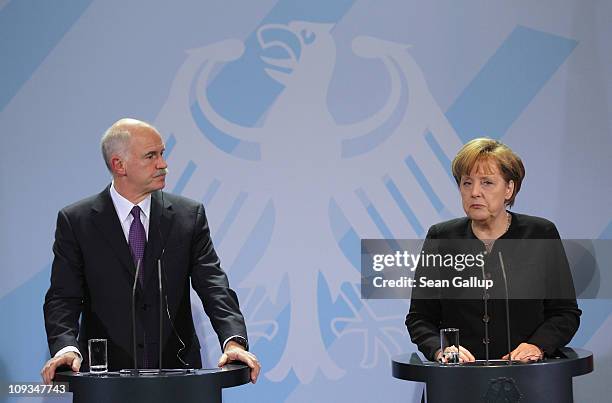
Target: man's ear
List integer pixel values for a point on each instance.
(118, 165)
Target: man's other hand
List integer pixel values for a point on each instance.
(70, 358)
(235, 352)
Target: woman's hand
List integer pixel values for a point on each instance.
(464, 354)
(526, 352)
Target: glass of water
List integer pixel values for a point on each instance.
(98, 363)
(449, 344)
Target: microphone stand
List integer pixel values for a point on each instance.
(161, 316)
(162, 296)
(134, 316)
(159, 276)
(503, 269)
(485, 297)
(135, 371)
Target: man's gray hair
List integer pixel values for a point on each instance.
(115, 141)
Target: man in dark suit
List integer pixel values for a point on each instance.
(99, 243)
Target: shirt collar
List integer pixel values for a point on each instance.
(123, 206)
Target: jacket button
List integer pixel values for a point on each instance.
(485, 340)
(485, 319)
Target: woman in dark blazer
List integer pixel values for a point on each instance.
(489, 175)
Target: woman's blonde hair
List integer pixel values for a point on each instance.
(486, 149)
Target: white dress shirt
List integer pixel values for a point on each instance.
(123, 208)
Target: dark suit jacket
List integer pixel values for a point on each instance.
(93, 273)
(548, 321)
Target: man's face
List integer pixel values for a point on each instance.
(145, 165)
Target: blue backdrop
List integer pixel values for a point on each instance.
(303, 126)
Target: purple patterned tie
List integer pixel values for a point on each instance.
(137, 240)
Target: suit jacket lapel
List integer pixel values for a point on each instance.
(105, 218)
(160, 223)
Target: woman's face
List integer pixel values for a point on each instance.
(484, 191)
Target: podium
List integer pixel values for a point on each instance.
(549, 380)
(199, 385)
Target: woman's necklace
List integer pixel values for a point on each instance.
(489, 242)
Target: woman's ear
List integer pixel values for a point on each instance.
(509, 190)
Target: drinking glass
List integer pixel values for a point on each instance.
(449, 344)
(98, 363)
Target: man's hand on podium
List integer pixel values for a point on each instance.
(71, 359)
(235, 352)
(526, 352)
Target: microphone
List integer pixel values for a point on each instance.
(485, 298)
(134, 316)
(503, 269)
